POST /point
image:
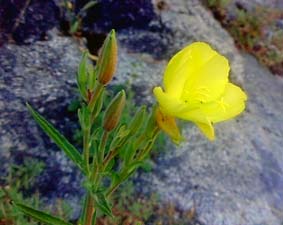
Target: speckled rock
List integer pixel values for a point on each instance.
(118, 14)
(27, 21)
(42, 74)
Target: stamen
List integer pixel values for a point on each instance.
(222, 104)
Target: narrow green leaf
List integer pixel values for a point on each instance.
(58, 138)
(151, 124)
(75, 26)
(119, 137)
(102, 203)
(93, 222)
(91, 70)
(82, 75)
(39, 215)
(98, 105)
(133, 166)
(89, 5)
(129, 153)
(138, 120)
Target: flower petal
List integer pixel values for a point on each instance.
(169, 126)
(207, 129)
(229, 105)
(183, 66)
(168, 104)
(208, 81)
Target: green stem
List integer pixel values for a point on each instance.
(88, 217)
(90, 207)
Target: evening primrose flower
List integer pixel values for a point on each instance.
(196, 88)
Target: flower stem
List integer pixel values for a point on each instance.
(89, 210)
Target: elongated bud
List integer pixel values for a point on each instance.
(114, 111)
(138, 119)
(107, 60)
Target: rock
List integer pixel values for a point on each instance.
(118, 14)
(27, 21)
(42, 74)
(236, 179)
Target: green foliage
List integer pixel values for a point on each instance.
(114, 145)
(20, 179)
(58, 139)
(39, 215)
(23, 176)
(75, 19)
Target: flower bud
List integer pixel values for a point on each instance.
(107, 60)
(114, 111)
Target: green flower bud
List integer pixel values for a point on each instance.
(114, 111)
(107, 60)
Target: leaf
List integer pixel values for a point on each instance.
(89, 5)
(75, 26)
(82, 75)
(58, 138)
(133, 166)
(129, 152)
(93, 222)
(91, 76)
(102, 203)
(119, 137)
(138, 119)
(39, 215)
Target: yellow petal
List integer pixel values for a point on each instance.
(228, 106)
(184, 65)
(168, 125)
(207, 129)
(207, 82)
(177, 108)
(169, 104)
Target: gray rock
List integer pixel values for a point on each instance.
(42, 74)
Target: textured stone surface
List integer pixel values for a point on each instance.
(42, 74)
(27, 21)
(109, 14)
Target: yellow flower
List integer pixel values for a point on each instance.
(196, 88)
